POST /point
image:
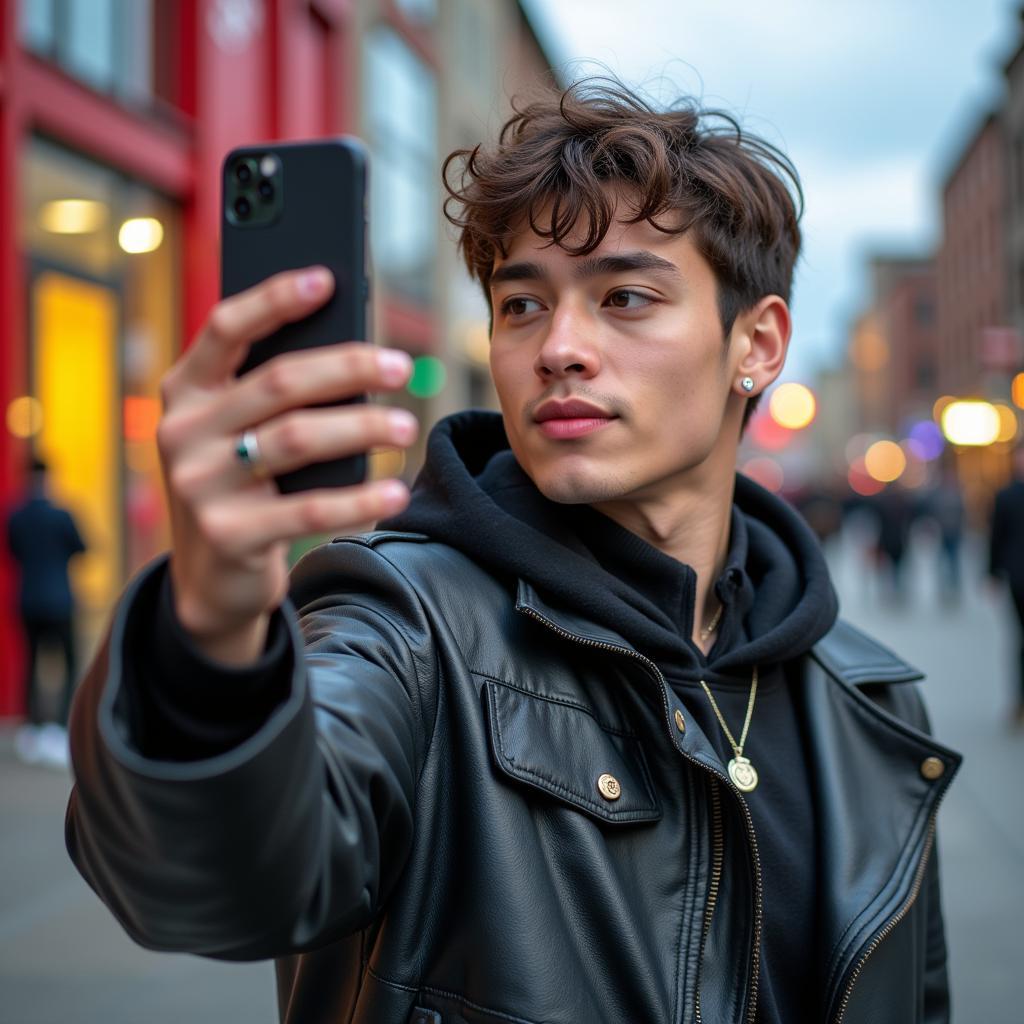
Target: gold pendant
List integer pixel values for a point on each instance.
(743, 774)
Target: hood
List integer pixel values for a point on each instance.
(472, 495)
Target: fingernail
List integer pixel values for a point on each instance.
(394, 492)
(313, 283)
(403, 424)
(394, 365)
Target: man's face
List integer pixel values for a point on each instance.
(633, 329)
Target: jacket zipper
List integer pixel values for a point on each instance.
(755, 961)
(893, 921)
(717, 856)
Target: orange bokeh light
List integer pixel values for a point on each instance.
(141, 415)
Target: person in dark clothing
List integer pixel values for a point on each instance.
(576, 735)
(43, 538)
(894, 512)
(1006, 556)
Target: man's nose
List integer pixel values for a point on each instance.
(569, 346)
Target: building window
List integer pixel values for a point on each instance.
(107, 44)
(401, 125)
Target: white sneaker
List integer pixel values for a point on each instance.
(26, 744)
(53, 745)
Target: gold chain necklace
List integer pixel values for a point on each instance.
(741, 771)
(706, 631)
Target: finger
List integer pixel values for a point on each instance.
(298, 439)
(236, 322)
(316, 435)
(307, 378)
(249, 523)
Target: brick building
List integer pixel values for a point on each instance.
(973, 294)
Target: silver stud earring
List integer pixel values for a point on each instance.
(747, 383)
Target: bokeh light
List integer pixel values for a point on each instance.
(940, 405)
(141, 416)
(926, 440)
(1017, 390)
(1007, 423)
(764, 432)
(25, 416)
(970, 423)
(885, 461)
(766, 471)
(72, 216)
(428, 377)
(792, 405)
(140, 234)
(857, 446)
(386, 462)
(860, 480)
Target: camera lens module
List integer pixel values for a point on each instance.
(266, 190)
(242, 207)
(243, 172)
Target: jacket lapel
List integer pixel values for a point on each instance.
(870, 761)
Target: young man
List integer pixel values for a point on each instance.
(575, 737)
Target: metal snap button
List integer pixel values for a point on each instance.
(608, 786)
(680, 721)
(932, 768)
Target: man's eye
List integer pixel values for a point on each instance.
(626, 298)
(519, 306)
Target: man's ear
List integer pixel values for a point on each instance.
(763, 333)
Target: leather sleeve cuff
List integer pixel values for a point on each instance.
(177, 703)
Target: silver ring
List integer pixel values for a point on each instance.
(247, 450)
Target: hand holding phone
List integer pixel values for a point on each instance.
(229, 523)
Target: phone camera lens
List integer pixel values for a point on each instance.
(243, 172)
(266, 190)
(243, 207)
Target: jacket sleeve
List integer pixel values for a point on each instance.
(296, 834)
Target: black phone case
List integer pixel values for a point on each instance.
(321, 220)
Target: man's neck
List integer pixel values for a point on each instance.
(691, 524)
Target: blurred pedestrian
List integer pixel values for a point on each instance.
(43, 538)
(944, 505)
(894, 513)
(1006, 556)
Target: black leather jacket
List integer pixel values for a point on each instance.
(416, 832)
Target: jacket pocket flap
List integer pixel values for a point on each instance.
(562, 749)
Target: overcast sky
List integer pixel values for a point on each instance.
(870, 98)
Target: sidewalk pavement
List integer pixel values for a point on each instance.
(63, 958)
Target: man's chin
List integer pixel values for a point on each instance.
(573, 487)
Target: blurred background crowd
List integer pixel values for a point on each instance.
(893, 429)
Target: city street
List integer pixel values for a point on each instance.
(62, 957)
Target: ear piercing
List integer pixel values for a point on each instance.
(747, 384)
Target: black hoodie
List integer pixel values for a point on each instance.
(778, 601)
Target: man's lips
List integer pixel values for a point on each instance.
(570, 409)
(563, 419)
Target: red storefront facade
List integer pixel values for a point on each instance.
(220, 73)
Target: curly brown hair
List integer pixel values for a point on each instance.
(686, 169)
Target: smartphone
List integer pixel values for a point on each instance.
(290, 205)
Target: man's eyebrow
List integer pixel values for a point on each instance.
(589, 266)
(623, 262)
(522, 271)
